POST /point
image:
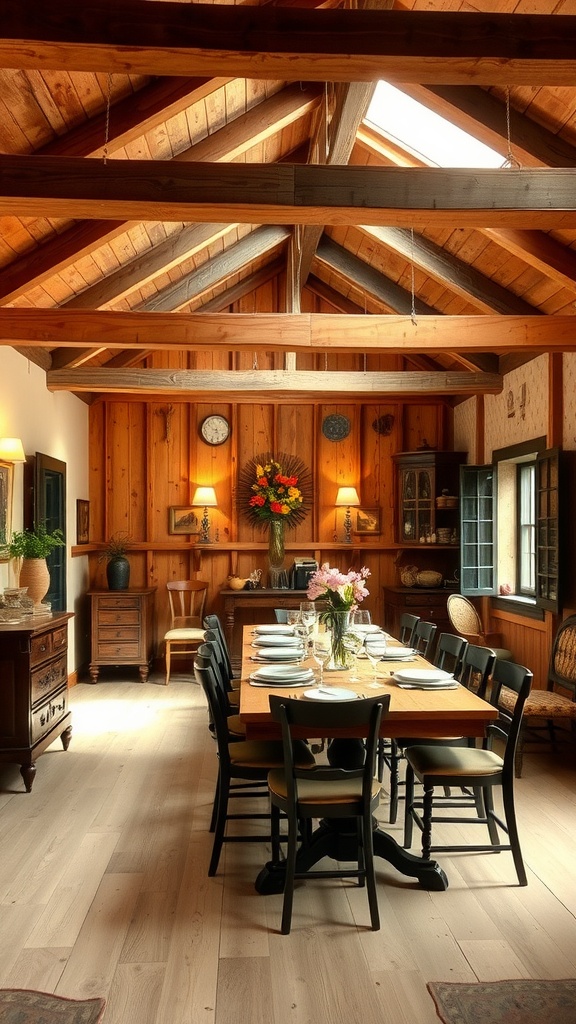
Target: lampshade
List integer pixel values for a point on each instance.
(205, 496)
(11, 450)
(347, 496)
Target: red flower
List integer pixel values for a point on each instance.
(262, 481)
(258, 500)
(275, 506)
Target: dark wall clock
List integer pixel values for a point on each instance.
(215, 429)
(336, 427)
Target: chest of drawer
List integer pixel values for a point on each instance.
(45, 716)
(47, 644)
(47, 678)
(121, 617)
(118, 602)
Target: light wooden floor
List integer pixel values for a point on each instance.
(104, 889)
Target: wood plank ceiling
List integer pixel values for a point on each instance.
(245, 231)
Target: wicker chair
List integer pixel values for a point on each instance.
(544, 708)
(466, 622)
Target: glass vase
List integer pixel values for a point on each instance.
(277, 576)
(339, 623)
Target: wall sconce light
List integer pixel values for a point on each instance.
(11, 450)
(346, 498)
(205, 496)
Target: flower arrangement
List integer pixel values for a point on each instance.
(341, 591)
(277, 489)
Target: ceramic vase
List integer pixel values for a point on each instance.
(34, 575)
(118, 573)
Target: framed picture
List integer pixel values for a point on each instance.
(183, 519)
(6, 480)
(367, 520)
(82, 521)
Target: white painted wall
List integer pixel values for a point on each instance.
(56, 425)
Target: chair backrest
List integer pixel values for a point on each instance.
(408, 624)
(464, 618)
(508, 675)
(477, 667)
(319, 719)
(281, 614)
(205, 674)
(423, 637)
(450, 651)
(187, 599)
(211, 637)
(562, 669)
(213, 622)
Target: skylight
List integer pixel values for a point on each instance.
(428, 134)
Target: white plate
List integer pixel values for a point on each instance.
(277, 640)
(397, 653)
(282, 672)
(291, 685)
(280, 654)
(429, 676)
(365, 627)
(330, 693)
(274, 627)
(450, 685)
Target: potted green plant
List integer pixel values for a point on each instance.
(32, 547)
(117, 565)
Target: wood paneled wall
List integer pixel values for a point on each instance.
(146, 456)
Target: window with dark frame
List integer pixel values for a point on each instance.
(526, 529)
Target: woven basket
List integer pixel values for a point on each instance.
(428, 578)
(409, 575)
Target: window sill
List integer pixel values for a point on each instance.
(519, 605)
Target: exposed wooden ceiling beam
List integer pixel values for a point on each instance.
(282, 383)
(455, 274)
(229, 142)
(286, 193)
(236, 258)
(361, 275)
(286, 332)
(126, 36)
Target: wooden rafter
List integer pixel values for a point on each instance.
(122, 36)
(286, 193)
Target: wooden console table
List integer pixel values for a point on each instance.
(33, 689)
(262, 597)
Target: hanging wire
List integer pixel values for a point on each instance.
(511, 160)
(412, 281)
(107, 126)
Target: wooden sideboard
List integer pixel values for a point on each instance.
(33, 689)
(261, 598)
(122, 630)
(427, 602)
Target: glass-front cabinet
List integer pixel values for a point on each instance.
(428, 497)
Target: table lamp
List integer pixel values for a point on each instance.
(206, 497)
(346, 498)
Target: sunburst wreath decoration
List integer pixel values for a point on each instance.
(275, 488)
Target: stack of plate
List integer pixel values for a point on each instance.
(399, 653)
(282, 675)
(425, 679)
(275, 628)
(287, 652)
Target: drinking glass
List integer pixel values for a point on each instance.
(308, 614)
(361, 617)
(353, 643)
(293, 616)
(321, 652)
(375, 648)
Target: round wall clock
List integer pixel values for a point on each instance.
(215, 429)
(336, 427)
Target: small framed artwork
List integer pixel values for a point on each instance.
(82, 521)
(6, 480)
(183, 519)
(367, 520)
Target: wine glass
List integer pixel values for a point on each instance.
(321, 652)
(375, 648)
(293, 616)
(361, 617)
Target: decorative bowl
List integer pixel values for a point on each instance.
(428, 578)
(236, 583)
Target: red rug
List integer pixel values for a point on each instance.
(22, 1006)
(505, 1002)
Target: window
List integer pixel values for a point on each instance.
(521, 549)
(526, 528)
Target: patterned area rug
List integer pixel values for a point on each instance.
(21, 1006)
(505, 1002)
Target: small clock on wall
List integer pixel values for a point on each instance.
(336, 427)
(215, 429)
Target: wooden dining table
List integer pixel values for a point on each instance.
(413, 712)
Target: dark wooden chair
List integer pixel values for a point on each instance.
(325, 791)
(481, 770)
(408, 623)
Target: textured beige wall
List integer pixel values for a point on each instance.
(569, 427)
